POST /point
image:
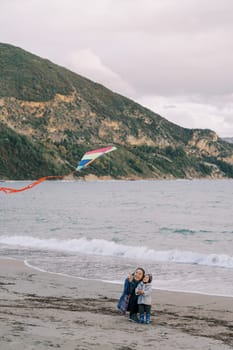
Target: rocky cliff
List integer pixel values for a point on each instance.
(50, 115)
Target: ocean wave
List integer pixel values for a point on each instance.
(110, 248)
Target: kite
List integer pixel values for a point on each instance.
(88, 158)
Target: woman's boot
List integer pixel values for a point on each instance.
(134, 318)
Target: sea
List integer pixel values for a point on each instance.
(181, 231)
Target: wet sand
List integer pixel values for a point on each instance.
(47, 311)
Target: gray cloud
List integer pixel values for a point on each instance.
(191, 113)
(170, 52)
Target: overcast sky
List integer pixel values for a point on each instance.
(173, 56)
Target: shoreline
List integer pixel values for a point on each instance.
(94, 178)
(116, 282)
(41, 310)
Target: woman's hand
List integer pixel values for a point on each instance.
(130, 277)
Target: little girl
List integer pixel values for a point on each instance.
(143, 291)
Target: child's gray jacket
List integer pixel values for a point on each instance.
(146, 297)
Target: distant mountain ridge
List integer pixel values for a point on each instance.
(50, 115)
(228, 139)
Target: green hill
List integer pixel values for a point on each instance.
(21, 158)
(50, 115)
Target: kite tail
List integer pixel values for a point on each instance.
(9, 190)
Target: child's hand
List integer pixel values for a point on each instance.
(140, 292)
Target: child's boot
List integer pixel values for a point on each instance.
(147, 318)
(141, 318)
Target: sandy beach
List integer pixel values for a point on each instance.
(41, 311)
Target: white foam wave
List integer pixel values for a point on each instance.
(109, 248)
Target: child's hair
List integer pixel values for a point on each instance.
(150, 277)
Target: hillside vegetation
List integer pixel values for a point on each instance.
(50, 115)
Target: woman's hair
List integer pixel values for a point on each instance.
(143, 271)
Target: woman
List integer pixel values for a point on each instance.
(128, 299)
